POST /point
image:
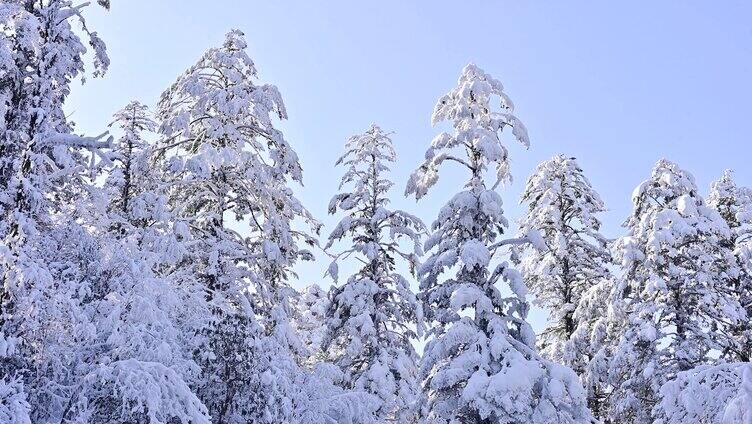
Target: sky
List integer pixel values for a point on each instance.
(618, 85)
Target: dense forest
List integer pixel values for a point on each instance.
(147, 271)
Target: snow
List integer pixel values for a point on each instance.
(374, 316)
(685, 205)
(707, 394)
(739, 409)
(564, 261)
(468, 295)
(480, 361)
(14, 409)
(474, 254)
(148, 273)
(675, 290)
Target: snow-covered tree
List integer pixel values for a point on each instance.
(309, 321)
(140, 364)
(14, 409)
(228, 162)
(131, 176)
(593, 336)
(480, 364)
(40, 54)
(734, 203)
(322, 400)
(674, 296)
(374, 316)
(111, 347)
(45, 192)
(563, 209)
(228, 167)
(739, 409)
(706, 394)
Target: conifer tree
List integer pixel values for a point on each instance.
(133, 174)
(374, 317)
(734, 203)
(480, 364)
(677, 267)
(228, 165)
(44, 188)
(563, 209)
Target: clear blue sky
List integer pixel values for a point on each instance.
(616, 85)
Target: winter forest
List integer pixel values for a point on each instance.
(147, 270)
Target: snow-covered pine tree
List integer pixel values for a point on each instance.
(141, 363)
(42, 179)
(374, 317)
(480, 364)
(229, 167)
(734, 203)
(571, 258)
(739, 409)
(677, 266)
(133, 174)
(708, 394)
(593, 335)
(309, 321)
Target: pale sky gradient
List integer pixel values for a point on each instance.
(616, 85)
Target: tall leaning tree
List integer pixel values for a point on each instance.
(480, 364)
(571, 259)
(374, 316)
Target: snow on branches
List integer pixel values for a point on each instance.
(708, 394)
(227, 165)
(573, 258)
(226, 160)
(480, 362)
(477, 129)
(678, 268)
(734, 203)
(152, 282)
(374, 317)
